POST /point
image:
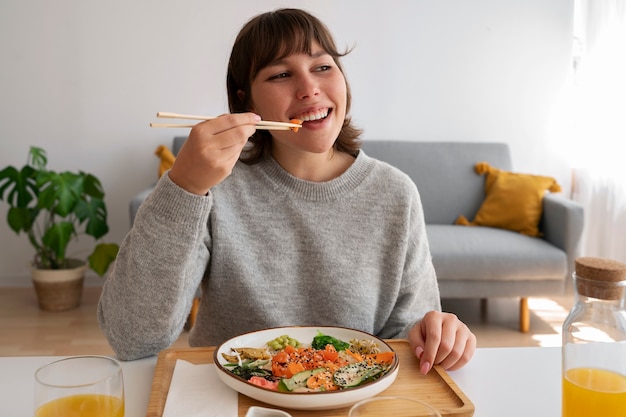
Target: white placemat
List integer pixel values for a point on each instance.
(196, 391)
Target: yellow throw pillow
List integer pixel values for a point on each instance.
(512, 201)
(167, 158)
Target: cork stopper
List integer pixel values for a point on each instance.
(601, 278)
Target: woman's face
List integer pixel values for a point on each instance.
(311, 88)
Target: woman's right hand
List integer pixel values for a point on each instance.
(209, 154)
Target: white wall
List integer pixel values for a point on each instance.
(84, 78)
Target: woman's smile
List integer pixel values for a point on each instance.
(312, 116)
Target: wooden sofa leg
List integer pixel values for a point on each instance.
(483, 310)
(524, 315)
(191, 319)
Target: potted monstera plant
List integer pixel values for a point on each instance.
(53, 209)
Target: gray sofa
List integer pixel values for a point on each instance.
(478, 262)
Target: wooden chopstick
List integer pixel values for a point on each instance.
(263, 124)
(182, 125)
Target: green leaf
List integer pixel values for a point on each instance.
(103, 255)
(37, 158)
(69, 191)
(94, 212)
(59, 192)
(21, 219)
(58, 237)
(21, 185)
(7, 178)
(92, 186)
(47, 192)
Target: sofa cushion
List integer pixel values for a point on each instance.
(166, 158)
(490, 254)
(512, 201)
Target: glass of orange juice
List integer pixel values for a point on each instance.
(80, 386)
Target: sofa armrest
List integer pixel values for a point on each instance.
(136, 201)
(562, 225)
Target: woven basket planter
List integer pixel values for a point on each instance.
(59, 289)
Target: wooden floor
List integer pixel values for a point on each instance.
(25, 330)
(29, 331)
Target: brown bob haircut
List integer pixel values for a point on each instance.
(264, 39)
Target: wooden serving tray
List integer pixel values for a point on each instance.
(435, 388)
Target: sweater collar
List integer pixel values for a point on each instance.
(318, 191)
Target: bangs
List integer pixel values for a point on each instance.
(278, 35)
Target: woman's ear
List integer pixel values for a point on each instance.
(242, 97)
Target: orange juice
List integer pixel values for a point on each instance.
(593, 392)
(83, 405)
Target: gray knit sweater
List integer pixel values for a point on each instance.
(268, 249)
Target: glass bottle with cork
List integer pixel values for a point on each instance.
(594, 341)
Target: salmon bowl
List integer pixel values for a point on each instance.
(308, 367)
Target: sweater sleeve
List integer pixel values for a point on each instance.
(419, 290)
(148, 293)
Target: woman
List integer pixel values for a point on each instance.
(297, 228)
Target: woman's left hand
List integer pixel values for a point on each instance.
(442, 339)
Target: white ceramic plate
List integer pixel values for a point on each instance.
(302, 400)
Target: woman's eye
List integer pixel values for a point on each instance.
(323, 68)
(279, 76)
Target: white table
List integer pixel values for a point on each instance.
(513, 382)
(500, 382)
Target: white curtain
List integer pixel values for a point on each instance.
(592, 125)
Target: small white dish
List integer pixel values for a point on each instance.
(302, 400)
(255, 411)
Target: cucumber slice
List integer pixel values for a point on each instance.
(355, 374)
(298, 380)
